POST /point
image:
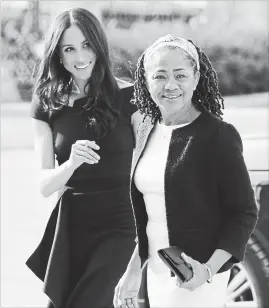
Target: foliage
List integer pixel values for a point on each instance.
(241, 69)
(239, 56)
(18, 37)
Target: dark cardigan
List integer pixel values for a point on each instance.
(209, 200)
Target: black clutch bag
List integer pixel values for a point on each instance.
(171, 256)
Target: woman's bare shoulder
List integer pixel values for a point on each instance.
(123, 83)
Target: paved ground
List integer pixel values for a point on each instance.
(24, 212)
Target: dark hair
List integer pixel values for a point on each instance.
(53, 83)
(206, 96)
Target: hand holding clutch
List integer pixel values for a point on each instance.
(171, 256)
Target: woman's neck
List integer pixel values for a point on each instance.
(183, 117)
(78, 86)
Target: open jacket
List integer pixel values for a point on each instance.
(209, 200)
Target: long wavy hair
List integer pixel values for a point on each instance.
(206, 96)
(53, 83)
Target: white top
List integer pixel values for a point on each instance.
(149, 180)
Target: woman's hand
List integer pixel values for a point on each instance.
(82, 151)
(126, 291)
(200, 274)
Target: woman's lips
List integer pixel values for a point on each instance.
(171, 96)
(82, 67)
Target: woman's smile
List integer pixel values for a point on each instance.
(172, 97)
(77, 55)
(171, 81)
(81, 67)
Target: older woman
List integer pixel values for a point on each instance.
(189, 185)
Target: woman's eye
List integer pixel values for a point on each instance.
(87, 45)
(68, 49)
(159, 77)
(180, 76)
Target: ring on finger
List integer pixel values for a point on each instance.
(129, 302)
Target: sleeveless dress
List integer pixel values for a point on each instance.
(90, 235)
(161, 287)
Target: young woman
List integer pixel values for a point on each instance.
(82, 116)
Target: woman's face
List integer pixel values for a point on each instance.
(171, 80)
(77, 57)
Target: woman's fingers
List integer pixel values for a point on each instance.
(125, 298)
(87, 150)
(83, 151)
(199, 274)
(88, 157)
(89, 144)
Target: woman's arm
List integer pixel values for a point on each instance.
(136, 119)
(134, 264)
(238, 208)
(218, 258)
(51, 178)
(123, 83)
(239, 211)
(129, 284)
(204, 272)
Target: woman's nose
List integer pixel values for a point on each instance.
(81, 57)
(171, 84)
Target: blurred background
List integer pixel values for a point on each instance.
(233, 33)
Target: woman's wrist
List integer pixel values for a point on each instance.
(216, 261)
(209, 272)
(71, 165)
(135, 262)
(134, 268)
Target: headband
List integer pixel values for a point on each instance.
(169, 40)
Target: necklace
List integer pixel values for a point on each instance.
(166, 130)
(177, 122)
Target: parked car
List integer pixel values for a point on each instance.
(249, 282)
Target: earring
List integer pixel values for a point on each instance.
(61, 61)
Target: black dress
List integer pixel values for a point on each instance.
(90, 235)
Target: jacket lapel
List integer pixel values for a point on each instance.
(143, 133)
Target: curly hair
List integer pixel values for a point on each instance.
(206, 96)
